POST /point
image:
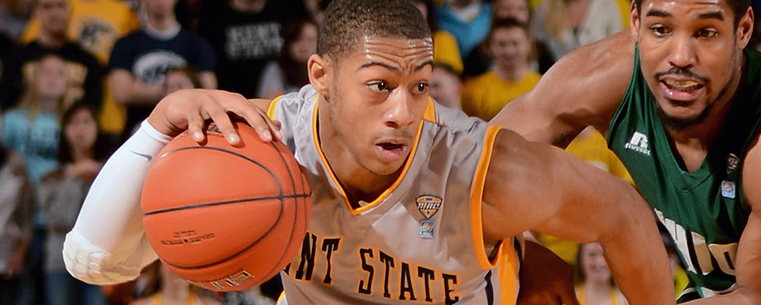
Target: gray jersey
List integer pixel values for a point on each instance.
(421, 241)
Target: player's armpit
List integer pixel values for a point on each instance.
(545, 278)
(535, 186)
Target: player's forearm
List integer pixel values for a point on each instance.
(636, 254)
(107, 243)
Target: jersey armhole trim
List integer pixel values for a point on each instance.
(476, 198)
(272, 109)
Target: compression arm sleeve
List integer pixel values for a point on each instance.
(107, 244)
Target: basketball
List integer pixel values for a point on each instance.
(225, 217)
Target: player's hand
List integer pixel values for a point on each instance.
(189, 110)
(545, 278)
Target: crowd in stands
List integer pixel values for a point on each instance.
(77, 77)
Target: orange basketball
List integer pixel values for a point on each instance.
(225, 217)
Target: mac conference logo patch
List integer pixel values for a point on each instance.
(428, 205)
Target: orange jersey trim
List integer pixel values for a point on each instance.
(429, 115)
(271, 110)
(476, 198)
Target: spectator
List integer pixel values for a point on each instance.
(171, 289)
(594, 282)
(61, 194)
(316, 9)
(566, 25)
(96, 25)
(139, 61)
(446, 87)
(16, 208)
(83, 73)
(245, 35)
(445, 48)
(510, 45)
(31, 129)
(468, 21)
(14, 15)
(181, 78)
(541, 59)
(288, 72)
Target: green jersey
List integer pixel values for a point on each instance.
(704, 211)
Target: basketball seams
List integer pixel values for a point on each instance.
(266, 233)
(299, 196)
(274, 270)
(216, 203)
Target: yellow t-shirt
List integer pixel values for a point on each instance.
(445, 50)
(589, 146)
(96, 26)
(485, 95)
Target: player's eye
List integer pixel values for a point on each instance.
(421, 87)
(707, 33)
(378, 86)
(659, 30)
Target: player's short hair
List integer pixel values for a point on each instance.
(739, 7)
(346, 22)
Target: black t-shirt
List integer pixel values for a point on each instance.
(82, 69)
(243, 42)
(5, 45)
(149, 58)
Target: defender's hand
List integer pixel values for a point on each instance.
(545, 278)
(189, 110)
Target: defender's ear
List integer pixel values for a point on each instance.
(634, 21)
(745, 29)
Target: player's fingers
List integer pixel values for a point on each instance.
(196, 126)
(257, 119)
(225, 125)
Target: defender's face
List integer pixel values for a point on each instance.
(690, 54)
(379, 94)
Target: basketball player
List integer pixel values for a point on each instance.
(678, 97)
(412, 201)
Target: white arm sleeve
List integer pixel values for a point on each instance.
(107, 244)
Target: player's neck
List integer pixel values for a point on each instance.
(359, 183)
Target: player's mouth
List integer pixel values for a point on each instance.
(681, 89)
(391, 151)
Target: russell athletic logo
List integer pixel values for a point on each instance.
(638, 143)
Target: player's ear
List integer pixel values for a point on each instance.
(318, 74)
(745, 28)
(634, 21)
